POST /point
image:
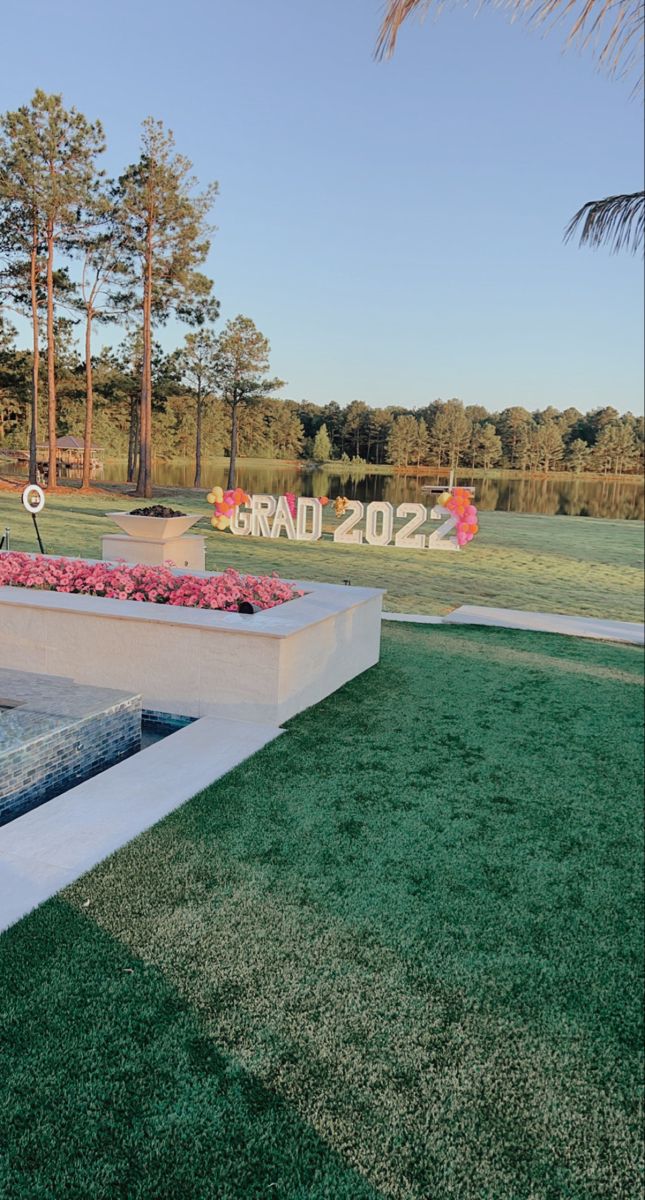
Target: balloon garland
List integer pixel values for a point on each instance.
(225, 503)
(458, 502)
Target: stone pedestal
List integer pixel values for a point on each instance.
(184, 552)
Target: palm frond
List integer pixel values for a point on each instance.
(617, 222)
(614, 28)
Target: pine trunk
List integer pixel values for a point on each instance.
(144, 481)
(233, 457)
(51, 361)
(133, 438)
(33, 432)
(89, 402)
(198, 440)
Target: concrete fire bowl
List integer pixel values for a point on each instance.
(156, 529)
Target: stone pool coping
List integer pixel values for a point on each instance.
(41, 704)
(51, 846)
(56, 734)
(319, 602)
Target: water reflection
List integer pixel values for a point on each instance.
(571, 496)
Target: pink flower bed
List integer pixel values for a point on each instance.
(157, 585)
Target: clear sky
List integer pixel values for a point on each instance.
(394, 228)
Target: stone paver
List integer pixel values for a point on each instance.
(539, 622)
(513, 618)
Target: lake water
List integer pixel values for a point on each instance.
(572, 496)
(564, 496)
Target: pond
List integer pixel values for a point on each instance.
(554, 496)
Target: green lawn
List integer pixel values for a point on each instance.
(395, 954)
(556, 564)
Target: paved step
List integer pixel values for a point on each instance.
(515, 618)
(539, 622)
(414, 618)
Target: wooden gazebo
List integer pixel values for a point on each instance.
(69, 455)
(69, 451)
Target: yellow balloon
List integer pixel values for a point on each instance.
(444, 498)
(224, 522)
(210, 499)
(214, 521)
(218, 495)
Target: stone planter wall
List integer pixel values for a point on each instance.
(262, 668)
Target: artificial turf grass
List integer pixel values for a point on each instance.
(576, 565)
(110, 1087)
(424, 939)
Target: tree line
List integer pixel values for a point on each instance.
(192, 414)
(79, 250)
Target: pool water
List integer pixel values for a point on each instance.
(155, 727)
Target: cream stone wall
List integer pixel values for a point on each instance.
(261, 668)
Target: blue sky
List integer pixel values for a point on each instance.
(394, 228)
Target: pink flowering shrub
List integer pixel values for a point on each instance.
(157, 585)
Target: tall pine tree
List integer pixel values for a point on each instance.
(165, 234)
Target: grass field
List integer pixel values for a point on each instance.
(555, 564)
(395, 954)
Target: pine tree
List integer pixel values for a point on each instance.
(403, 440)
(616, 448)
(450, 433)
(51, 174)
(578, 455)
(551, 444)
(21, 242)
(105, 292)
(322, 446)
(422, 445)
(513, 427)
(164, 232)
(241, 367)
(355, 422)
(197, 363)
(487, 447)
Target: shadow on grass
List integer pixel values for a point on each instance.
(110, 1087)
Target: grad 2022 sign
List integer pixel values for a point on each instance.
(373, 524)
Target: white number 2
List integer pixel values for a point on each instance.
(439, 540)
(406, 537)
(342, 534)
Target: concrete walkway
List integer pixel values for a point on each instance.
(515, 618)
(49, 847)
